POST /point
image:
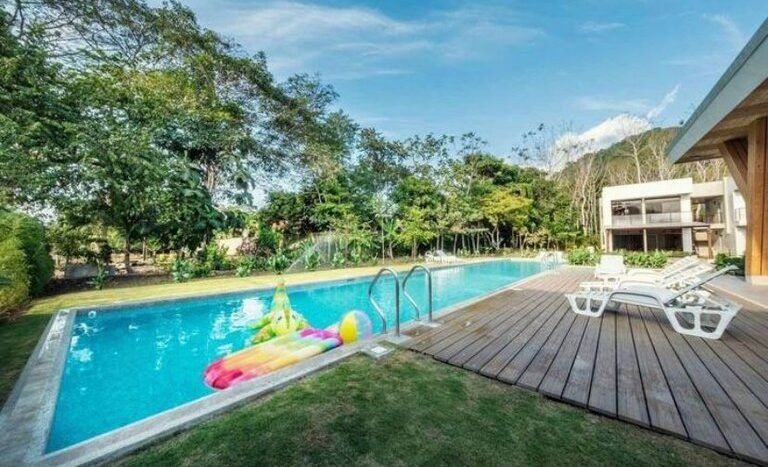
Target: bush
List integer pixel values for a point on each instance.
(31, 236)
(338, 260)
(181, 270)
(722, 260)
(582, 257)
(13, 267)
(247, 265)
(639, 259)
(279, 262)
(312, 260)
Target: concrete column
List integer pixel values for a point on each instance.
(688, 239)
(645, 240)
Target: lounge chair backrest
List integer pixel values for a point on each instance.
(699, 283)
(611, 261)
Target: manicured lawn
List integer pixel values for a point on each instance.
(412, 410)
(19, 335)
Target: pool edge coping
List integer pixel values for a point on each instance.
(29, 443)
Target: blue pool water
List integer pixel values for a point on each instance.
(125, 365)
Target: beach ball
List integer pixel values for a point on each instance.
(354, 326)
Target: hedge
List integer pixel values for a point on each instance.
(13, 266)
(31, 236)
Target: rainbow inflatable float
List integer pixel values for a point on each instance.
(284, 338)
(270, 356)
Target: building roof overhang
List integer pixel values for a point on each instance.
(738, 98)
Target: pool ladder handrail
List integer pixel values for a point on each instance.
(376, 306)
(429, 291)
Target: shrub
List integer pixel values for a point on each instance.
(13, 267)
(247, 265)
(181, 270)
(356, 256)
(582, 257)
(312, 260)
(31, 236)
(338, 260)
(722, 260)
(279, 262)
(101, 277)
(639, 259)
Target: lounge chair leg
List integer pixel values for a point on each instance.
(698, 330)
(587, 309)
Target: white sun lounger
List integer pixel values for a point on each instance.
(705, 316)
(610, 266)
(668, 271)
(683, 278)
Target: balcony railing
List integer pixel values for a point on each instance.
(663, 217)
(650, 218)
(716, 218)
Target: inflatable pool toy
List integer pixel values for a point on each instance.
(286, 349)
(354, 326)
(269, 356)
(281, 320)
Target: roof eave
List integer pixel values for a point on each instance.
(743, 76)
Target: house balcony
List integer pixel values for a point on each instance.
(650, 219)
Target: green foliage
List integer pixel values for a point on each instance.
(13, 268)
(182, 270)
(31, 236)
(338, 260)
(639, 259)
(279, 262)
(100, 279)
(582, 257)
(248, 264)
(723, 260)
(312, 260)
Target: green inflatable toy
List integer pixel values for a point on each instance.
(281, 319)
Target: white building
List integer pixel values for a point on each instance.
(707, 218)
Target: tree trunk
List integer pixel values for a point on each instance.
(127, 257)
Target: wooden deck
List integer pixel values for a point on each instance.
(628, 364)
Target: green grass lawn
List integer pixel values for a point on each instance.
(411, 410)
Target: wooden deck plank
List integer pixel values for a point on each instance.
(736, 429)
(463, 356)
(498, 342)
(750, 406)
(694, 413)
(556, 378)
(511, 373)
(630, 401)
(628, 364)
(515, 340)
(602, 394)
(534, 374)
(510, 312)
(579, 381)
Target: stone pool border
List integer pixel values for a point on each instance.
(27, 415)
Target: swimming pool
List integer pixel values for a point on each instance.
(127, 364)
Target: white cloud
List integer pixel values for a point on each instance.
(599, 103)
(640, 106)
(591, 27)
(658, 109)
(571, 146)
(730, 30)
(359, 42)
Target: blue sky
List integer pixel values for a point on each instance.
(499, 68)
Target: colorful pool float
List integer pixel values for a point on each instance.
(269, 356)
(281, 320)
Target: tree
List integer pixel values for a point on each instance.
(503, 206)
(414, 229)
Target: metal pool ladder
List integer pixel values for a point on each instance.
(376, 306)
(429, 291)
